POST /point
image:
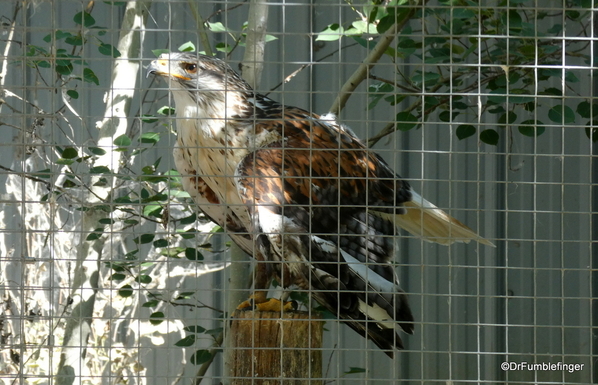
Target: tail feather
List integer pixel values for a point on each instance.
(425, 220)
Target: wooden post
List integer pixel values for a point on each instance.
(269, 350)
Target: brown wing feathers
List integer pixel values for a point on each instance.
(325, 183)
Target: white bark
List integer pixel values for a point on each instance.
(253, 60)
(89, 254)
(252, 66)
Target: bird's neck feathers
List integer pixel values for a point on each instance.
(224, 116)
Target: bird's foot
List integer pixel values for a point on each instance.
(255, 302)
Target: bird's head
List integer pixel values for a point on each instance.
(203, 86)
(195, 72)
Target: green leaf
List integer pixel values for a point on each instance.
(385, 23)
(159, 52)
(122, 141)
(194, 329)
(525, 98)
(160, 243)
(361, 27)
(156, 318)
(97, 234)
(187, 47)
(64, 70)
(48, 38)
(72, 94)
(69, 153)
(561, 114)
(187, 341)
(144, 238)
(552, 91)
(428, 77)
(117, 277)
(109, 50)
(200, 357)
(448, 116)
(556, 29)
(570, 77)
(353, 370)
(185, 295)
(90, 77)
(64, 162)
(126, 291)
(188, 220)
(498, 96)
(592, 131)
(148, 118)
(143, 278)
(106, 221)
(150, 137)
(84, 18)
(532, 128)
(152, 210)
(69, 184)
(115, 266)
(465, 131)
(584, 109)
(514, 19)
(224, 47)
(43, 64)
(97, 151)
(217, 27)
(406, 121)
(148, 170)
(44, 174)
(489, 136)
(101, 182)
(99, 170)
(74, 40)
(332, 32)
(166, 110)
(508, 117)
(463, 13)
(151, 303)
(193, 255)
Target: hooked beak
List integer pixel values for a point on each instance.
(164, 67)
(158, 67)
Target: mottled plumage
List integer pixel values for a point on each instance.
(300, 191)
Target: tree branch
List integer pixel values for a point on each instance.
(370, 61)
(201, 27)
(253, 60)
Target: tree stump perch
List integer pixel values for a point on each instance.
(270, 348)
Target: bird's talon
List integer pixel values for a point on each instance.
(271, 304)
(247, 305)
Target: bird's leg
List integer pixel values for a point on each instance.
(258, 300)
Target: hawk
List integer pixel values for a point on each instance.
(301, 193)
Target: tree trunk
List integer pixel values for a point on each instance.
(89, 254)
(268, 349)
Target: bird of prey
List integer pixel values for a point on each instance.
(301, 194)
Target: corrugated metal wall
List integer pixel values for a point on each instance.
(527, 300)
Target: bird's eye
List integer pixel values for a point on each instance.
(190, 67)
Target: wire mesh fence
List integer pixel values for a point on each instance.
(110, 272)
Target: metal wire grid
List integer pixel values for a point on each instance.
(527, 301)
